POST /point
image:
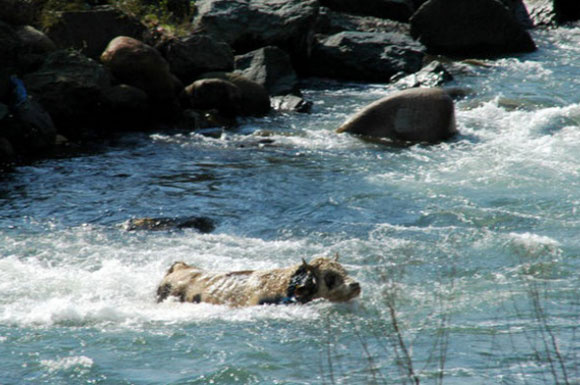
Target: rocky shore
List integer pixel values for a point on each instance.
(99, 71)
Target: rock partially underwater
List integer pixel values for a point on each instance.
(201, 224)
(413, 115)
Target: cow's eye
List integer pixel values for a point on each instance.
(330, 280)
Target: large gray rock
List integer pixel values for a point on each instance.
(248, 25)
(386, 9)
(331, 22)
(194, 55)
(414, 115)
(70, 87)
(90, 31)
(469, 27)
(363, 56)
(270, 67)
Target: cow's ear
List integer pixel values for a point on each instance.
(307, 288)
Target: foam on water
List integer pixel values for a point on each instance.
(67, 363)
(72, 281)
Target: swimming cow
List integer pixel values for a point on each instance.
(321, 278)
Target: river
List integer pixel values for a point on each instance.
(467, 252)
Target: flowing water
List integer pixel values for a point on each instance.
(467, 252)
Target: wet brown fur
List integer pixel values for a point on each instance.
(322, 278)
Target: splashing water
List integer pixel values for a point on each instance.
(473, 244)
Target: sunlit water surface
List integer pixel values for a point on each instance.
(467, 250)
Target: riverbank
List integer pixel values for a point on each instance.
(68, 80)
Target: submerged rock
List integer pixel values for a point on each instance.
(463, 27)
(432, 75)
(201, 224)
(291, 103)
(413, 115)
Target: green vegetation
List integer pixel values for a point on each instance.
(171, 16)
(50, 7)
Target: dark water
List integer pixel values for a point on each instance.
(468, 250)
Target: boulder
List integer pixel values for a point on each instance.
(22, 48)
(520, 13)
(365, 56)
(7, 153)
(270, 67)
(413, 115)
(569, 10)
(254, 98)
(432, 75)
(400, 10)
(128, 106)
(4, 112)
(33, 129)
(330, 22)
(34, 46)
(215, 94)
(18, 12)
(89, 31)
(70, 87)
(194, 55)
(5, 86)
(467, 27)
(9, 47)
(137, 64)
(25, 123)
(251, 24)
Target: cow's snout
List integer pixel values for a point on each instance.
(354, 288)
